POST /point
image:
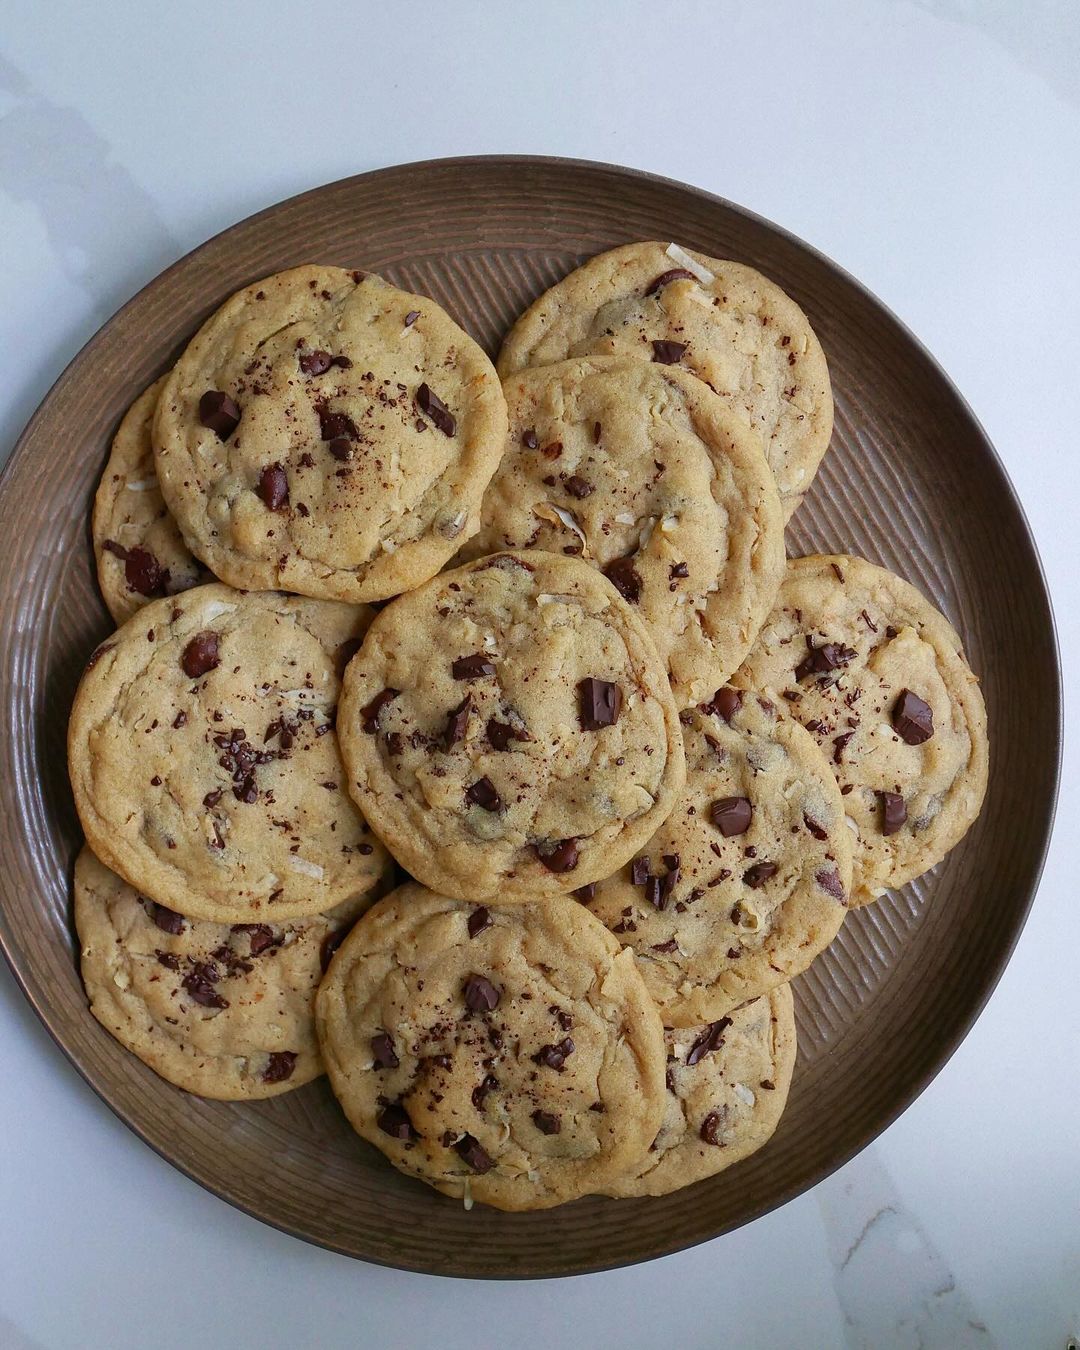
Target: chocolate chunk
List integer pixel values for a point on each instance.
(274, 487)
(411, 317)
(625, 577)
(479, 919)
(912, 718)
(712, 1038)
(558, 855)
(815, 829)
(247, 790)
(639, 871)
(500, 734)
(678, 570)
(555, 1056)
(577, 486)
(345, 652)
(432, 406)
(330, 943)
(472, 667)
(670, 879)
(597, 432)
(218, 412)
(893, 812)
(457, 723)
(335, 424)
(341, 448)
(482, 793)
(261, 936)
(212, 798)
(759, 874)
(725, 703)
(654, 893)
(731, 815)
(199, 983)
(168, 960)
(480, 994)
(828, 878)
(839, 743)
(667, 353)
(180, 720)
(529, 439)
(820, 660)
(471, 1151)
(394, 1121)
(371, 712)
(382, 1049)
(166, 919)
(586, 893)
(279, 1066)
(710, 1128)
(143, 573)
(546, 1123)
(665, 278)
(479, 1093)
(599, 703)
(201, 654)
(314, 363)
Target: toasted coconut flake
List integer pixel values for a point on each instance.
(683, 259)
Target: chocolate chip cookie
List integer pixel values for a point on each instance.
(139, 549)
(222, 1011)
(203, 759)
(727, 1085)
(508, 1055)
(645, 473)
(747, 879)
(729, 325)
(329, 434)
(508, 728)
(879, 678)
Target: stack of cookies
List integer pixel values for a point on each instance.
(468, 736)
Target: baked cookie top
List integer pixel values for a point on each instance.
(203, 760)
(508, 728)
(729, 325)
(645, 473)
(509, 1055)
(746, 881)
(871, 668)
(222, 1011)
(139, 549)
(727, 1085)
(329, 434)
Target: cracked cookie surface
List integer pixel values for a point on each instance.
(724, 322)
(746, 881)
(138, 547)
(203, 758)
(509, 1055)
(647, 475)
(221, 1010)
(329, 434)
(509, 730)
(878, 676)
(727, 1085)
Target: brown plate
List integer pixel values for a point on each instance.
(911, 482)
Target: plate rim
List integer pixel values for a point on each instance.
(992, 976)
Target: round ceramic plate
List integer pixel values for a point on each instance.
(911, 482)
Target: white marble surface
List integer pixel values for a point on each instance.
(932, 148)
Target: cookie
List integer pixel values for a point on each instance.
(222, 1011)
(727, 1085)
(139, 549)
(203, 760)
(328, 434)
(507, 1055)
(729, 325)
(646, 474)
(879, 677)
(508, 729)
(746, 881)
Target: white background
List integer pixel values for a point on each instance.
(931, 148)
